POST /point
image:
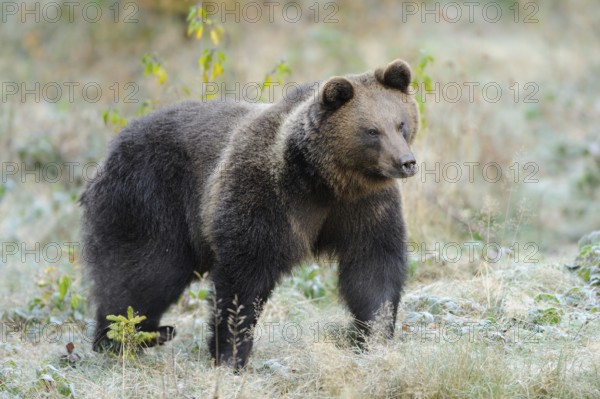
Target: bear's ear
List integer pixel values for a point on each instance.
(336, 92)
(395, 75)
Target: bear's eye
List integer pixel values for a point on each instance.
(373, 132)
(401, 126)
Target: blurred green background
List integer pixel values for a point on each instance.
(72, 74)
(509, 152)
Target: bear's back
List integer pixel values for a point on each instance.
(155, 168)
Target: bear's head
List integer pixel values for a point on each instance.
(366, 124)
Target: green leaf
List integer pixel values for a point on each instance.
(546, 297)
(75, 301)
(192, 13)
(549, 316)
(63, 287)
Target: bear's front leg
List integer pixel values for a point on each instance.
(368, 236)
(253, 247)
(237, 302)
(371, 286)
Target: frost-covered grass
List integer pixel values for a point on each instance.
(525, 327)
(491, 334)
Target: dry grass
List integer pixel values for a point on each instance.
(507, 348)
(433, 360)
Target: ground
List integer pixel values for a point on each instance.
(470, 325)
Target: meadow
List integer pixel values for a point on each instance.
(502, 298)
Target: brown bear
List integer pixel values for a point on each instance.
(246, 192)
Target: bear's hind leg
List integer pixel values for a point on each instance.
(149, 286)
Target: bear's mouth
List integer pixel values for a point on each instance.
(400, 172)
(377, 174)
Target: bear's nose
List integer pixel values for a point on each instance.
(407, 161)
(407, 165)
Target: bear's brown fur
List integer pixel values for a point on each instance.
(246, 192)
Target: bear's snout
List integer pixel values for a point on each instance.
(407, 165)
